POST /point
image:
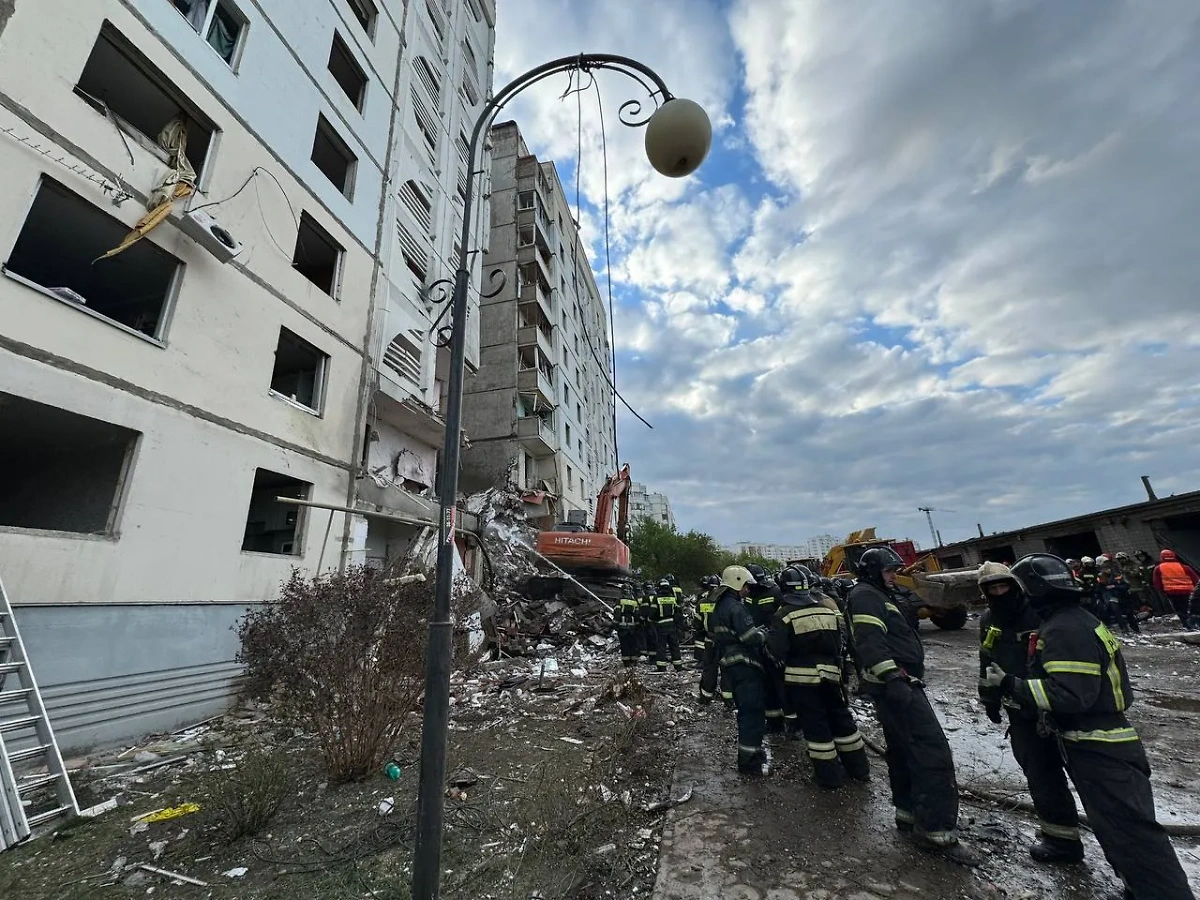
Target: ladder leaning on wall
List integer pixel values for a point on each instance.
(34, 785)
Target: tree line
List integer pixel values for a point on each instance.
(657, 549)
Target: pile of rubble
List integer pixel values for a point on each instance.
(528, 609)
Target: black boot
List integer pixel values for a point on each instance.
(750, 762)
(1057, 850)
(828, 773)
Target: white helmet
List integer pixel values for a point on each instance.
(1086, 561)
(736, 577)
(1102, 559)
(991, 572)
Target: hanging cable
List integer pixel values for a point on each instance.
(612, 321)
(602, 365)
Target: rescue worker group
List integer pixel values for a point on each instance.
(786, 652)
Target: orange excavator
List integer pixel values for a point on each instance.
(598, 558)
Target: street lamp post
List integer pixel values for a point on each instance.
(678, 136)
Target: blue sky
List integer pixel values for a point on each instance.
(943, 254)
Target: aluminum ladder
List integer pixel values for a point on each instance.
(43, 796)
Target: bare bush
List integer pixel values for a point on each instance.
(343, 655)
(243, 801)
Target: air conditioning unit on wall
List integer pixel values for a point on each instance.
(208, 233)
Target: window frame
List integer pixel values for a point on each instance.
(239, 46)
(340, 44)
(320, 380)
(299, 533)
(365, 9)
(121, 487)
(170, 295)
(325, 129)
(322, 234)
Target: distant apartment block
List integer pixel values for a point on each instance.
(814, 548)
(540, 409)
(646, 505)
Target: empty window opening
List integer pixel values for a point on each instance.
(366, 13)
(318, 256)
(567, 425)
(218, 21)
(271, 526)
(525, 200)
(525, 236)
(119, 82)
(570, 474)
(333, 157)
(60, 471)
(347, 72)
(299, 372)
(58, 250)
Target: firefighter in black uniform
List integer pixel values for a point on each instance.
(739, 650)
(806, 634)
(762, 602)
(628, 621)
(1079, 680)
(891, 666)
(1005, 629)
(648, 641)
(666, 621)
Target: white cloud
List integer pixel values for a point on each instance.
(967, 280)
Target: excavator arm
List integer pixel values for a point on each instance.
(615, 490)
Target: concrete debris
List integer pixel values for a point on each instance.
(528, 622)
(236, 872)
(157, 849)
(174, 876)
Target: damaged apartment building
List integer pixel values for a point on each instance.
(221, 221)
(541, 408)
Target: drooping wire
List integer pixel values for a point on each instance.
(256, 171)
(612, 321)
(577, 90)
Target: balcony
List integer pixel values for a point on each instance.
(535, 296)
(533, 336)
(535, 374)
(531, 253)
(536, 434)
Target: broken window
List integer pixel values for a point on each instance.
(347, 72)
(567, 425)
(366, 13)
(121, 83)
(60, 471)
(58, 251)
(271, 526)
(220, 23)
(333, 157)
(318, 257)
(299, 372)
(525, 200)
(570, 474)
(525, 236)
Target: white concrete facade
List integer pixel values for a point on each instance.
(541, 409)
(646, 504)
(261, 370)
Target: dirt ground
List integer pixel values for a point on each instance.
(551, 776)
(558, 779)
(783, 838)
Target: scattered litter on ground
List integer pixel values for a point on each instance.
(174, 876)
(236, 872)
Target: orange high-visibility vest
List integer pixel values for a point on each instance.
(1175, 579)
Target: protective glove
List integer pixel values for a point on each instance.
(993, 713)
(897, 692)
(994, 675)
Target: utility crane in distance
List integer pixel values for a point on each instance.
(929, 510)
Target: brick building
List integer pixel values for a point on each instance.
(1152, 525)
